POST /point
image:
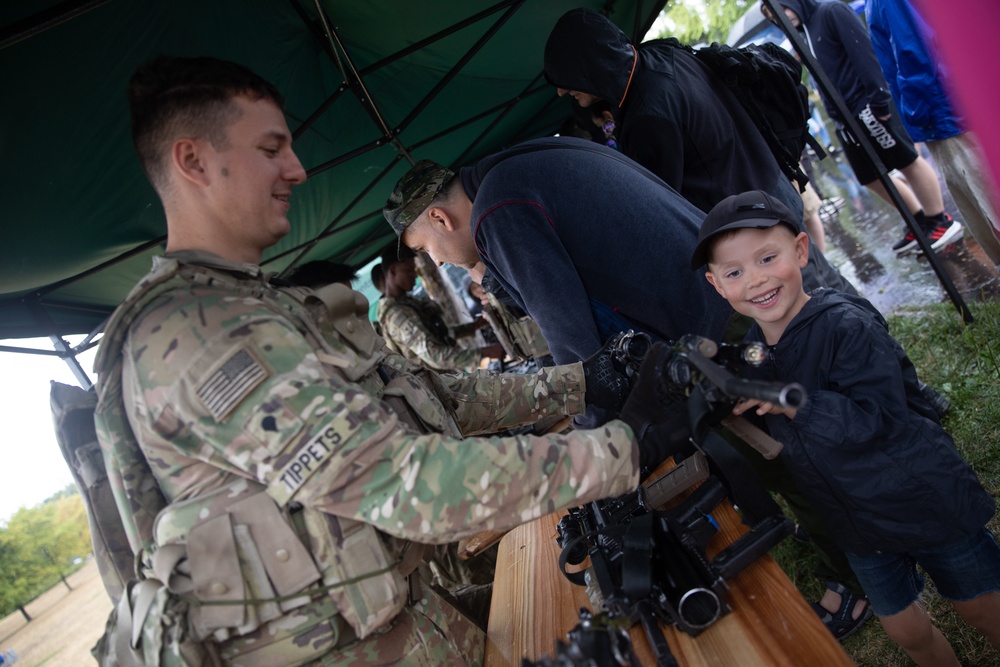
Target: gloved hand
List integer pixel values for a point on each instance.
(607, 383)
(659, 420)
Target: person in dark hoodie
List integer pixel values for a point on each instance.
(838, 39)
(673, 116)
(866, 448)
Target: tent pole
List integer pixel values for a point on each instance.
(832, 94)
(69, 356)
(44, 20)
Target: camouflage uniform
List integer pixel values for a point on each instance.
(283, 459)
(405, 327)
(523, 332)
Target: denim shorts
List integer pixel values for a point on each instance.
(961, 570)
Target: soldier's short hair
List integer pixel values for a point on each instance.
(319, 273)
(173, 97)
(378, 277)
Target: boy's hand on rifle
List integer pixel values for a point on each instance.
(659, 421)
(763, 408)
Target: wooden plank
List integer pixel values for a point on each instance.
(770, 624)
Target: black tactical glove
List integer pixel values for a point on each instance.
(607, 383)
(659, 419)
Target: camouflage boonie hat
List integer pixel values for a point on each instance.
(414, 192)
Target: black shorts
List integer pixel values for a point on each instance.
(889, 139)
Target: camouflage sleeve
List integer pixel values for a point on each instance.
(487, 402)
(404, 326)
(250, 396)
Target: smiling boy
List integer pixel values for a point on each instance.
(867, 450)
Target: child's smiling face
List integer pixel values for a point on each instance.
(759, 272)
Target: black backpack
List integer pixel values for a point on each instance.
(767, 81)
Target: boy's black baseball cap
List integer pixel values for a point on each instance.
(755, 209)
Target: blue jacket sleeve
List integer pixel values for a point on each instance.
(518, 243)
(900, 40)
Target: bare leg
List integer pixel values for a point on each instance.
(810, 216)
(909, 198)
(983, 613)
(814, 228)
(913, 631)
(925, 186)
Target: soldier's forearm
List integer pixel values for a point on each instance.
(489, 402)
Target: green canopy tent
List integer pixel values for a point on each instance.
(370, 86)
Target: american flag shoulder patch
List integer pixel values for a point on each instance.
(231, 382)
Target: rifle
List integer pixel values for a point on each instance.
(648, 563)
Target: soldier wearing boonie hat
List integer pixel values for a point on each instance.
(414, 192)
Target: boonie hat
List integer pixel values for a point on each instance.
(414, 192)
(755, 209)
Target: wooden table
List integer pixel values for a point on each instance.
(770, 624)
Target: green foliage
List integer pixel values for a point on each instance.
(962, 362)
(702, 21)
(38, 545)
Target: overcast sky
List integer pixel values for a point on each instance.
(31, 465)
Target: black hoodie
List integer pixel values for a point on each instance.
(843, 49)
(675, 117)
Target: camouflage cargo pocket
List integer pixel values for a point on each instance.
(363, 579)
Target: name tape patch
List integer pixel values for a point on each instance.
(310, 456)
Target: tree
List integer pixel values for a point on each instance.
(699, 21)
(37, 547)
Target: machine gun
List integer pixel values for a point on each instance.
(647, 562)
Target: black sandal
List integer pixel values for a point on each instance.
(842, 623)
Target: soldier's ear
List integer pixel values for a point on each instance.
(187, 159)
(441, 218)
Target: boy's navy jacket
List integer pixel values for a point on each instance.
(866, 449)
(841, 45)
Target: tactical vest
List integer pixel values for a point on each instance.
(235, 565)
(522, 332)
(430, 316)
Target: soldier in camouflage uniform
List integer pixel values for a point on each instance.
(276, 469)
(414, 327)
(518, 332)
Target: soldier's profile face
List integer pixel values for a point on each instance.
(445, 246)
(253, 176)
(403, 275)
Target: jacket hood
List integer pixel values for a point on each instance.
(823, 299)
(804, 8)
(588, 53)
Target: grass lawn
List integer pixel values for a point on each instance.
(963, 363)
